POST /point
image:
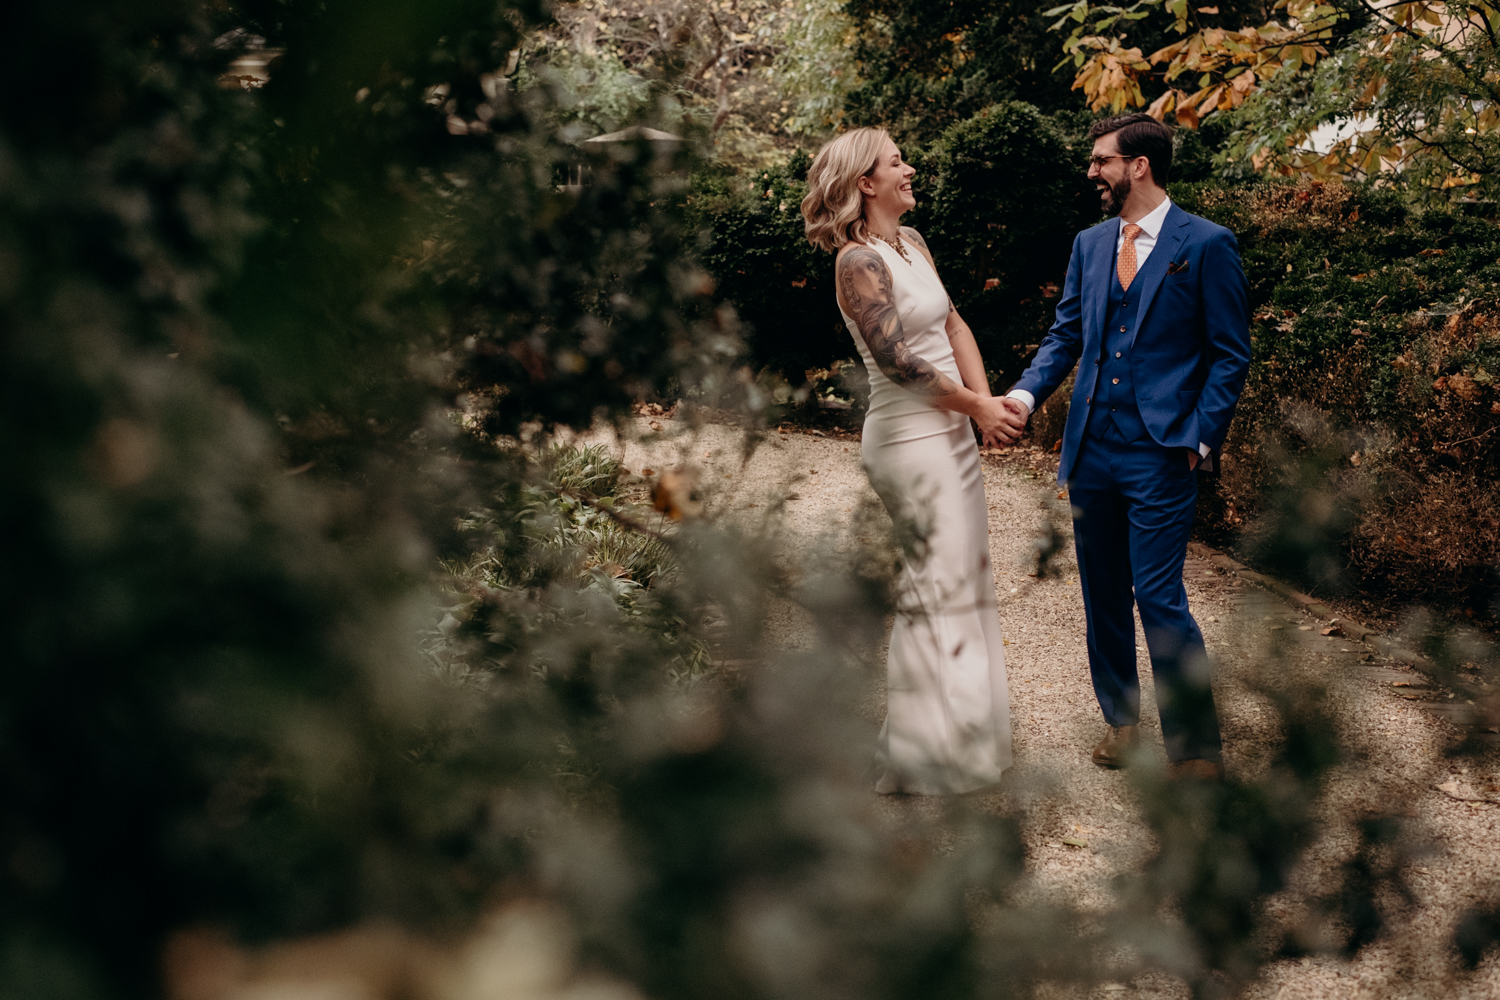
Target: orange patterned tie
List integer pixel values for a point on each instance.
(1126, 264)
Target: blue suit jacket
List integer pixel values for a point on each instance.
(1192, 343)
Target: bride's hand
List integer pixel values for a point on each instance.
(1001, 419)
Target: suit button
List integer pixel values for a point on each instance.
(1089, 400)
(1122, 329)
(1115, 381)
(1114, 409)
(1117, 354)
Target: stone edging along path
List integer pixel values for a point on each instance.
(1424, 690)
(1346, 626)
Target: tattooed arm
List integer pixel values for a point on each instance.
(965, 349)
(866, 285)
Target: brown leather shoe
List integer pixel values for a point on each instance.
(1195, 769)
(1117, 744)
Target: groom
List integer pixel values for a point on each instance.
(1154, 315)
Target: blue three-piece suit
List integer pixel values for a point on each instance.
(1160, 369)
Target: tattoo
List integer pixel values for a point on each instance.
(866, 283)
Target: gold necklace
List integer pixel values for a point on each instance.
(895, 244)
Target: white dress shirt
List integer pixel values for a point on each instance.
(1145, 242)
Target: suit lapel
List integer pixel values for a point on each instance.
(1168, 242)
(1103, 268)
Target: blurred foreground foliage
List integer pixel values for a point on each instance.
(322, 669)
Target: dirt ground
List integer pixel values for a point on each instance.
(1396, 750)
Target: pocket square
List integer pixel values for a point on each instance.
(1177, 267)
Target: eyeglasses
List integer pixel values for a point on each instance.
(1100, 161)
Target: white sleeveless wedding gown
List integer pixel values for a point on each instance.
(947, 727)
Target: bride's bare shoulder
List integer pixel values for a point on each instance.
(853, 246)
(913, 237)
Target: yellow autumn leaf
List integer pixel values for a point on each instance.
(1162, 105)
(1211, 102)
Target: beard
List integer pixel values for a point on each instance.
(1112, 196)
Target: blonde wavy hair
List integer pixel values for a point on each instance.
(833, 210)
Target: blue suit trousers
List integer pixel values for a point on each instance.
(1133, 507)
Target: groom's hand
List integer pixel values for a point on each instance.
(1014, 416)
(997, 422)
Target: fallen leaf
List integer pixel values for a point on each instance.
(1331, 630)
(1450, 786)
(676, 495)
(1432, 253)
(1464, 386)
(1075, 842)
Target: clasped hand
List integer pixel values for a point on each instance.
(1001, 420)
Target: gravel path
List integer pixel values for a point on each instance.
(1396, 751)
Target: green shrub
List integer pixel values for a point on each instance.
(781, 286)
(999, 198)
(1004, 195)
(1374, 343)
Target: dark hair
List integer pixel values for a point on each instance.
(1139, 134)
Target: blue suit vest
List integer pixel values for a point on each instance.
(1114, 398)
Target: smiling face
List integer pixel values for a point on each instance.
(1113, 179)
(889, 184)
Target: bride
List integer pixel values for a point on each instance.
(947, 727)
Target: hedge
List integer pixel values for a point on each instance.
(1375, 357)
(999, 197)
